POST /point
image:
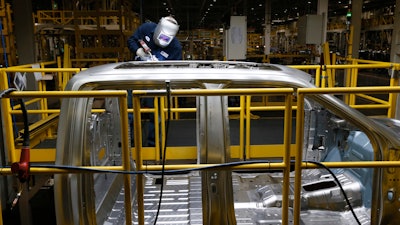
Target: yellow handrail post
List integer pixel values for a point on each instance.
(157, 123)
(248, 121)
(323, 77)
(163, 115)
(318, 74)
(42, 87)
(327, 61)
(318, 78)
(333, 71)
(243, 153)
(347, 83)
(298, 157)
(394, 81)
(126, 159)
(353, 82)
(59, 75)
(286, 157)
(176, 105)
(138, 153)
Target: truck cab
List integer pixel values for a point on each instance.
(227, 154)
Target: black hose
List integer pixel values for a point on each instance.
(168, 89)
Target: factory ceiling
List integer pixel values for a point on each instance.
(195, 14)
(216, 13)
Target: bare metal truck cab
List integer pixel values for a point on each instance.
(332, 132)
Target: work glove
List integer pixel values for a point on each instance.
(143, 55)
(153, 58)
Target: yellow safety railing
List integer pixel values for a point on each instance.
(351, 80)
(242, 151)
(138, 150)
(245, 108)
(325, 77)
(46, 115)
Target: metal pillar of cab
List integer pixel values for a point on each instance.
(213, 147)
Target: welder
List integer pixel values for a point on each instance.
(154, 42)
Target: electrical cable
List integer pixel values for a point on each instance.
(212, 167)
(21, 168)
(6, 92)
(168, 94)
(24, 114)
(163, 171)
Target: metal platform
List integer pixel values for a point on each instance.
(257, 197)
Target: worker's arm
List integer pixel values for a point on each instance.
(140, 34)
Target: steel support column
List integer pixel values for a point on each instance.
(356, 10)
(214, 142)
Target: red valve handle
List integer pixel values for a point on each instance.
(22, 167)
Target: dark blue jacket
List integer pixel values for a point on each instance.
(145, 32)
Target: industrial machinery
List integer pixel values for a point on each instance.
(278, 175)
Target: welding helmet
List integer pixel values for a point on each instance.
(165, 31)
